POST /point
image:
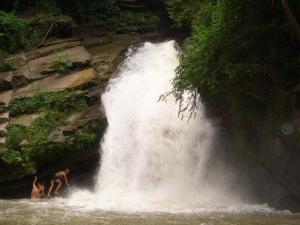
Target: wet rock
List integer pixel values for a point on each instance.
(69, 130)
(77, 57)
(21, 76)
(4, 117)
(6, 96)
(25, 120)
(105, 58)
(96, 41)
(76, 121)
(41, 52)
(93, 96)
(57, 136)
(57, 83)
(6, 81)
(92, 113)
(3, 127)
(18, 59)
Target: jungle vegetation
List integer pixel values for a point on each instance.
(243, 58)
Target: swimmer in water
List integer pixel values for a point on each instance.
(38, 189)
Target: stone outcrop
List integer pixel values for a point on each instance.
(6, 80)
(93, 60)
(77, 57)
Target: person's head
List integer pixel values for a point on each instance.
(67, 171)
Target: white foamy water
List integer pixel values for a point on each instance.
(152, 160)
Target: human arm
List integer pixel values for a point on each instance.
(34, 182)
(66, 179)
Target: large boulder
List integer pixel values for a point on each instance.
(14, 78)
(105, 58)
(6, 97)
(76, 57)
(52, 47)
(52, 83)
(21, 76)
(77, 121)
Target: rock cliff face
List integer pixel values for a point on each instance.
(51, 115)
(272, 174)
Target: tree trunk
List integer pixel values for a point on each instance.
(291, 18)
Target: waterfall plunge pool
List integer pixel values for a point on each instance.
(154, 165)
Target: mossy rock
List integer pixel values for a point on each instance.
(3, 133)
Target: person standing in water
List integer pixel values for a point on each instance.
(38, 189)
(58, 178)
(41, 187)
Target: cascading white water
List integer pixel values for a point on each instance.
(149, 154)
(152, 160)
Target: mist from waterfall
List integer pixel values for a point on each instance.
(151, 159)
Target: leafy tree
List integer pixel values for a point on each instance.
(243, 59)
(12, 31)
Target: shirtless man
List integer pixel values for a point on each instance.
(58, 178)
(41, 187)
(38, 189)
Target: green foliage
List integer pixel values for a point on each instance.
(15, 135)
(12, 32)
(127, 21)
(36, 33)
(2, 133)
(89, 10)
(3, 108)
(241, 59)
(14, 154)
(63, 62)
(41, 127)
(47, 6)
(64, 101)
(28, 148)
(23, 144)
(9, 65)
(86, 137)
(182, 12)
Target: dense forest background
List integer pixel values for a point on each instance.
(24, 23)
(243, 57)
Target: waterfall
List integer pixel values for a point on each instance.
(151, 159)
